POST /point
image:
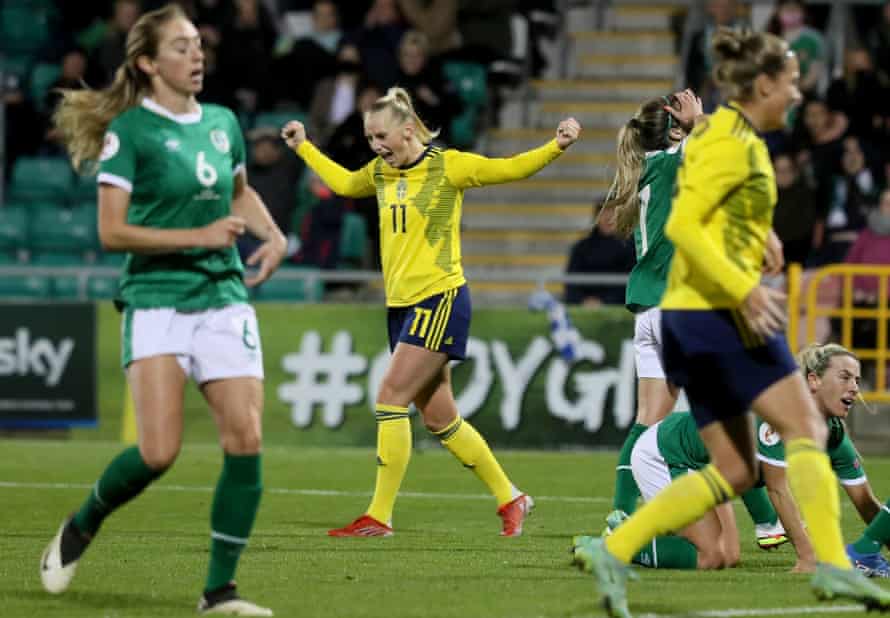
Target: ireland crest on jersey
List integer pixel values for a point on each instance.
(220, 140)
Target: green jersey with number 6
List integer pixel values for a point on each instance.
(179, 171)
(654, 251)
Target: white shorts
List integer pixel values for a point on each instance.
(647, 344)
(649, 468)
(210, 345)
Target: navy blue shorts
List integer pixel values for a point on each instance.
(719, 362)
(440, 323)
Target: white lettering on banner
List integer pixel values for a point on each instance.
(514, 379)
(322, 379)
(21, 356)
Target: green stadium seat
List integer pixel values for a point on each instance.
(67, 287)
(100, 287)
(25, 26)
(289, 290)
(41, 178)
(63, 229)
(13, 228)
(353, 240)
(277, 118)
(24, 287)
(471, 81)
(58, 258)
(9, 258)
(111, 258)
(85, 190)
(17, 66)
(43, 76)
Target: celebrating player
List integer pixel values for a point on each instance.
(419, 190)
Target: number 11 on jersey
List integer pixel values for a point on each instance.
(395, 224)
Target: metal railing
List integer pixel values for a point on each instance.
(846, 311)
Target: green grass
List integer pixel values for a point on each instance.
(446, 558)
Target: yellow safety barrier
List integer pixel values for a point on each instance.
(846, 312)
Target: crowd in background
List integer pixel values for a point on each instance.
(833, 163)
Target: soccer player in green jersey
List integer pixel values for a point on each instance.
(832, 374)
(173, 195)
(650, 148)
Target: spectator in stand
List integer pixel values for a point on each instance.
(348, 145)
(74, 68)
(322, 228)
(245, 54)
(378, 41)
(817, 140)
(310, 59)
(852, 194)
(790, 22)
(701, 60)
(872, 246)
(111, 52)
(23, 127)
(334, 97)
(273, 174)
(434, 98)
(795, 219)
(485, 30)
(436, 19)
(858, 94)
(601, 251)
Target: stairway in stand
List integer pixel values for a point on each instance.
(526, 228)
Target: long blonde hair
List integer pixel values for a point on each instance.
(401, 109)
(646, 131)
(83, 116)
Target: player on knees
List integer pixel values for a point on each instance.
(668, 450)
(173, 195)
(722, 331)
(832, 374)
(650, 148)
(420, 192)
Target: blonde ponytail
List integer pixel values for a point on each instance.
(83, 116)
(401, 109)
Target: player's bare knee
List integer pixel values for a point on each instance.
(159, 456)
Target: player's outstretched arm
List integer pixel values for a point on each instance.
(338, 178)
(472, 170)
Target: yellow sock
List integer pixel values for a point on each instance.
(675, 507)
(473, 451)
(393, 453)
(815, 489)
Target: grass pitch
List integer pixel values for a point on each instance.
(446, 559)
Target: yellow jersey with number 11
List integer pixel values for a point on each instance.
(420, 208)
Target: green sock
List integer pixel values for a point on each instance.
(235, 504)
(124, 479)
(759, 506)
(668, 552)
(626, 490)
(876, 534)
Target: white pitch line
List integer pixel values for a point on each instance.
(309, 492)
(763, 611)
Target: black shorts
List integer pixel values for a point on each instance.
(440, 323)
(719, 362)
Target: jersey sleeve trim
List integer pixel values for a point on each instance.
(852, 482)
(773, 462)
(113, 179)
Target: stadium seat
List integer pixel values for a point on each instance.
(111, 258)
(63, 229)
(289, 290)
(25, 26)
(8, 258)
(41, 178)
(101, 287)
(277, 118)
(85, 190)
(353, 240)
(24, 287)
(43, 76)
(471, 81)
(16, 68)
(58, 258)
(13, 228)
(66, 287)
